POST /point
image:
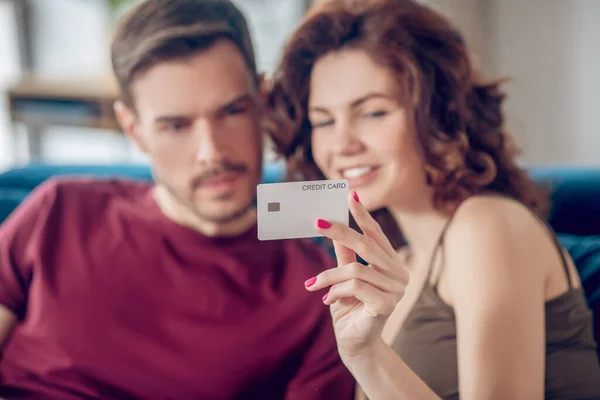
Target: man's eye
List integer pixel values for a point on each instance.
(176, 126)
(237, 110)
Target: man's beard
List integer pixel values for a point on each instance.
(190, 205)
(210, 217)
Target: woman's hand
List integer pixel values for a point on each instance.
(361, 297)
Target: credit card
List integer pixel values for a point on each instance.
(290, 210)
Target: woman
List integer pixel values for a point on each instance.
(382, 93)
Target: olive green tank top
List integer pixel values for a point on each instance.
(427, 342)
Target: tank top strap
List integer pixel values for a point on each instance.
(553, 236)
(436, 247)
(557, 245)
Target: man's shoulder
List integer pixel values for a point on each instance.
(89, 188)
(58, 201)
(66, 196)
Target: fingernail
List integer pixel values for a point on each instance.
(325, 297)
(321, 223)
(310, 282)
(356, 197)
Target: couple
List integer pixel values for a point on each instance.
(113, 289)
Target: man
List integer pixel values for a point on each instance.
(123, 290)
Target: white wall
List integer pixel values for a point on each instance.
(469, 17)
(71, 39)
(270, 23)
(588, 76)
(550, 49)
(534, 43)
(9, 72)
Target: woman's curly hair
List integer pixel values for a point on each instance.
(458, 118)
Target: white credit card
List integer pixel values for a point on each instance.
(290, 210)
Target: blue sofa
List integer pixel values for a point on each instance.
(575, 216)
(18, 182)
(576, 191)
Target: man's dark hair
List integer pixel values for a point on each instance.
(155, 31)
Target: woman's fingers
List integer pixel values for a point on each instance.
(376, 302)
(369, 226)
(363, 245)
(356, 271)
(343, 254)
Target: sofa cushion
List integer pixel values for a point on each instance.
(32, 175)
(16, 183)
(585, 252)
(10, 198)
(575, 198)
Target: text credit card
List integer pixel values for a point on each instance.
(290, 210)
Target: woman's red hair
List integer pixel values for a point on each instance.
(458, 118)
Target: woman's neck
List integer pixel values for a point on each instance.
(421, 230)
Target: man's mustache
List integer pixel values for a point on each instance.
(226, 167)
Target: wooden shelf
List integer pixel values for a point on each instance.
(84, 103)
(41, 103)
(92, 88)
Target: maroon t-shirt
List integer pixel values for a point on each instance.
(116, 301)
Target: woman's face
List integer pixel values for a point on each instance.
(361, 132)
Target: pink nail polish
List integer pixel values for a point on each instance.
(321, 223)
(356, 197)
(310, 282)
(325, 297)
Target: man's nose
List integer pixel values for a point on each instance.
(210, 147)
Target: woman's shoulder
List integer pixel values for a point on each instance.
(492, 244)
(494, 215)
(498, 230)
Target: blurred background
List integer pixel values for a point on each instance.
(57, 87)
(56, 96)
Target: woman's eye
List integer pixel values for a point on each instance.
(321, 124)
(376, 114)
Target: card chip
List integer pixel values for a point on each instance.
(273, 207)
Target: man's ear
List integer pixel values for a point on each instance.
(263, 95)
(264, 86)
(128, 120)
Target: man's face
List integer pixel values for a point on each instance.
(199, 121)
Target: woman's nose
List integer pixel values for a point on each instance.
(347, 140)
